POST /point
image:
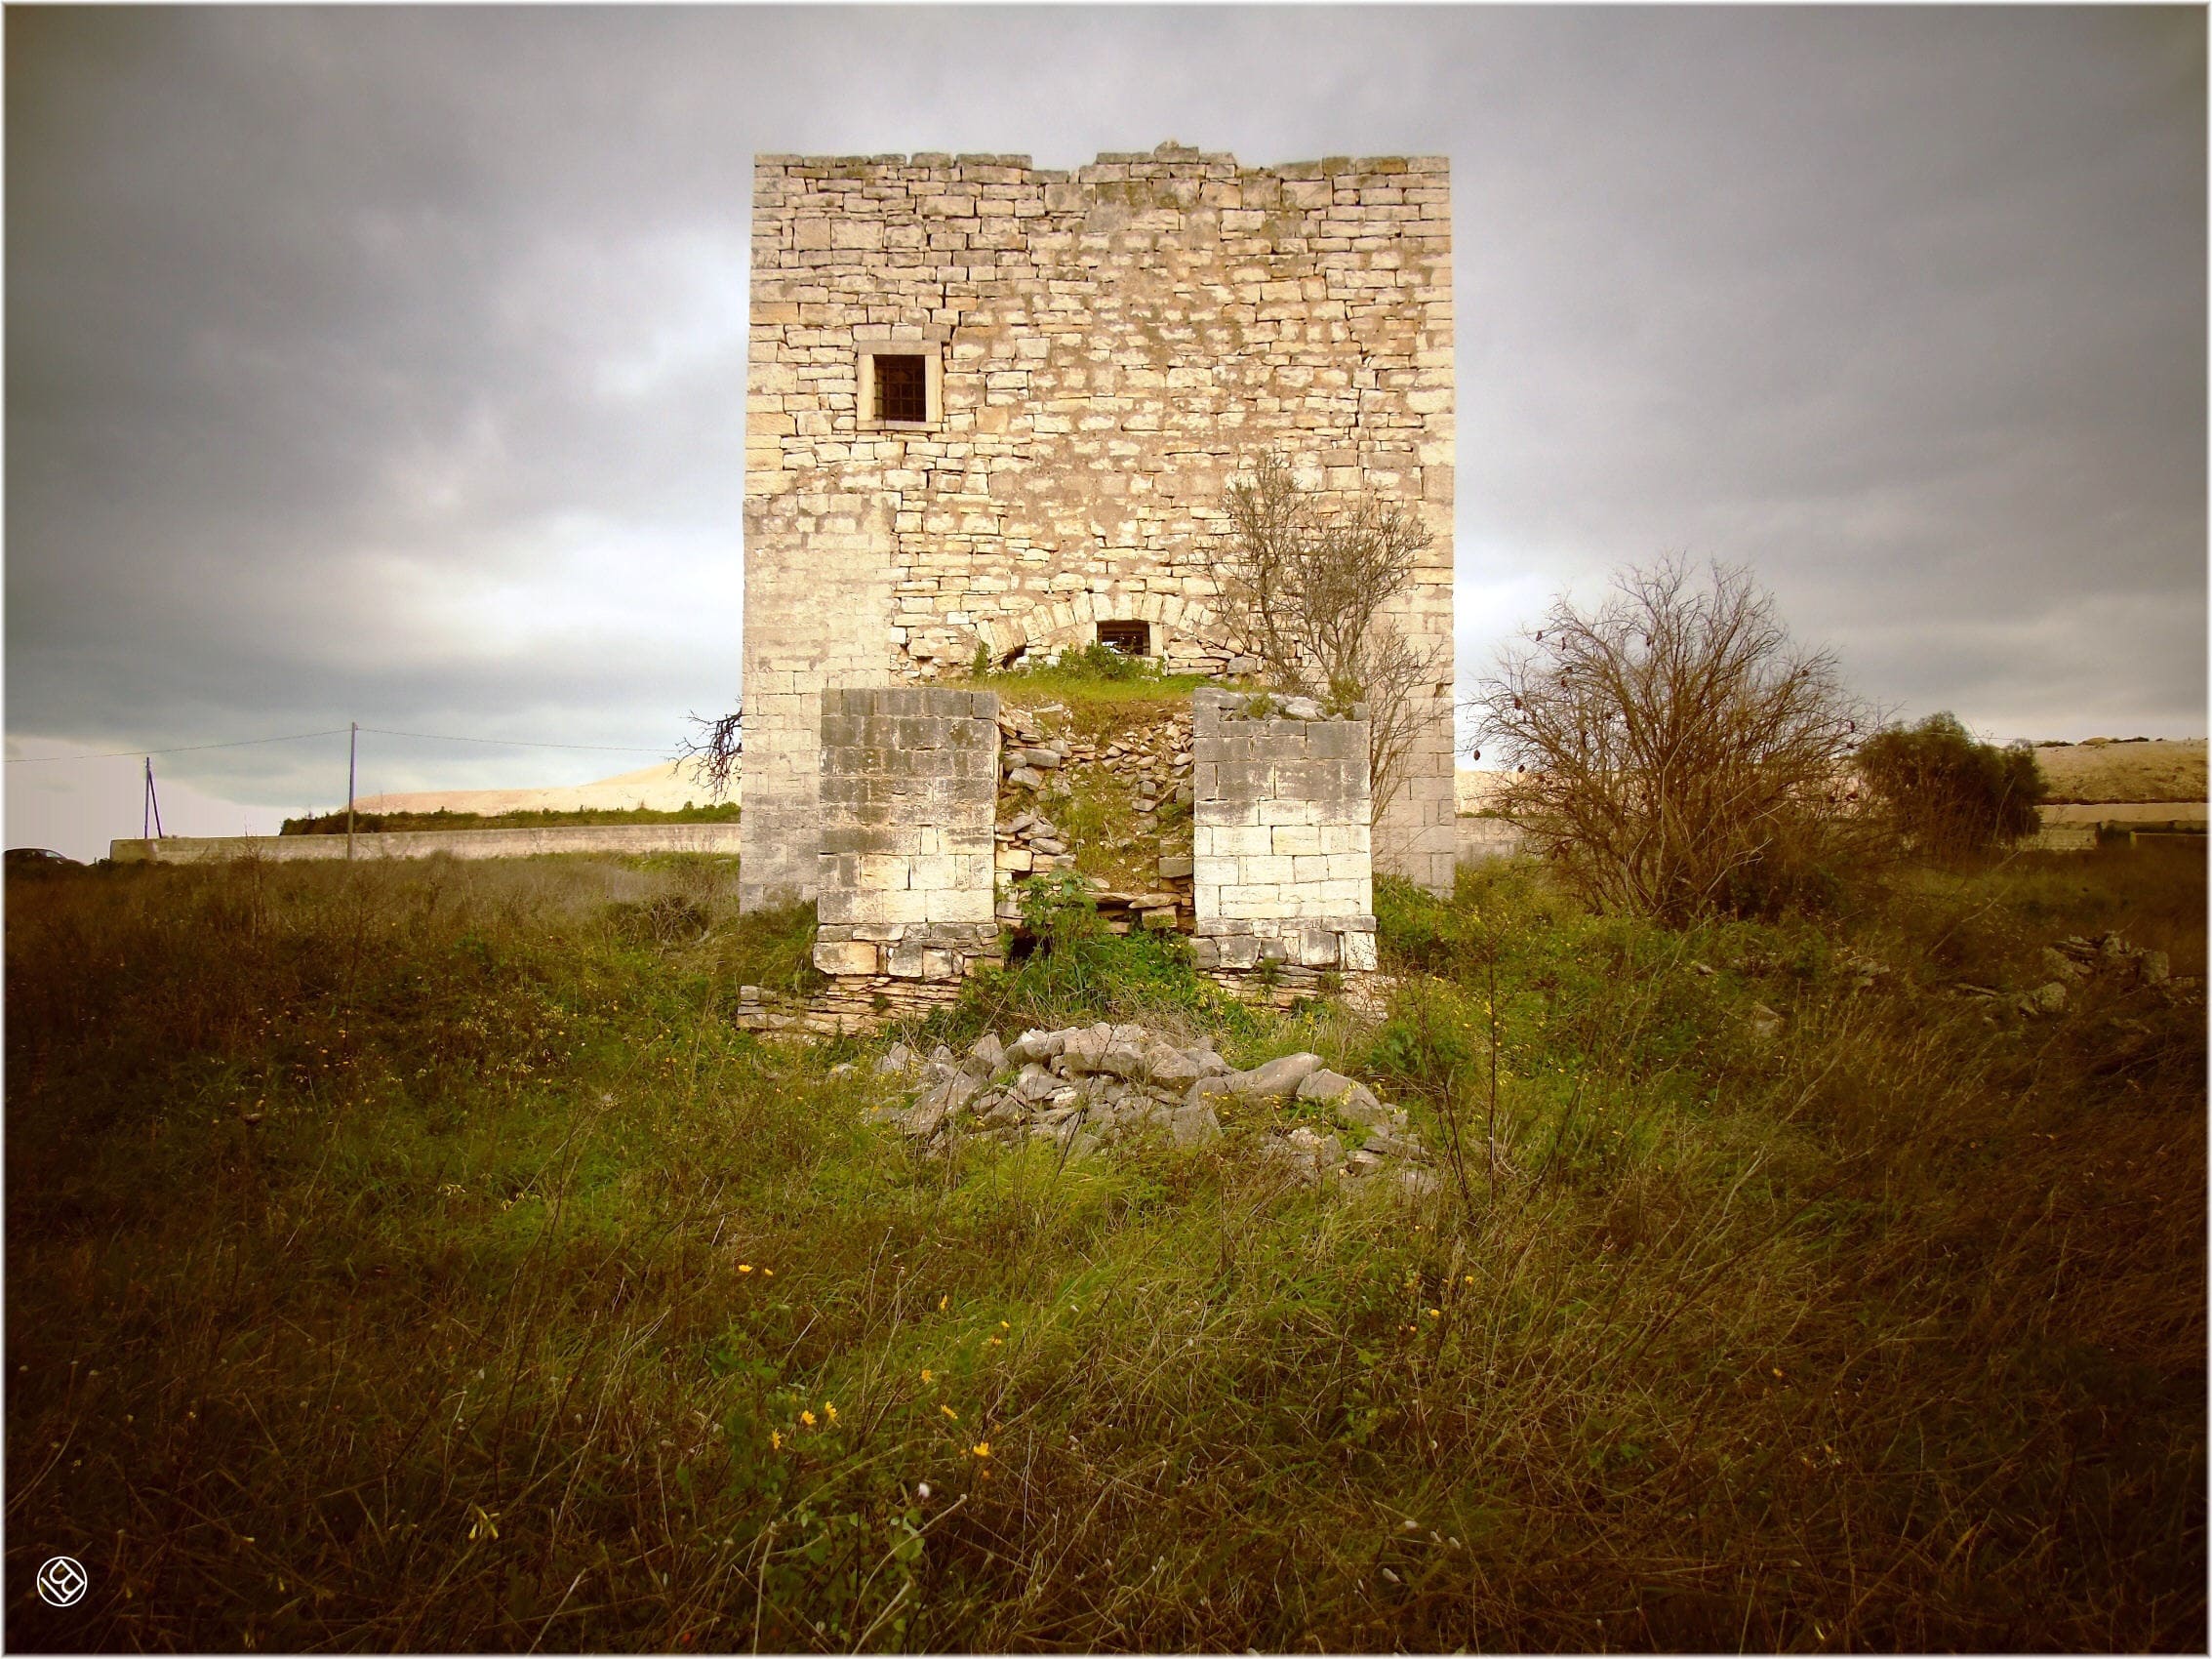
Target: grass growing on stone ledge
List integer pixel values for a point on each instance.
(1102, 691)
(1100, 816)
(415, 1257)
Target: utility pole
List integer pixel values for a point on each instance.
(352, 753)
(150, 825)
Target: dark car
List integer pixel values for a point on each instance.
(21, 861)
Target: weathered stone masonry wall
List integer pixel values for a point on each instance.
(1111, 346)
(1280, 842)
(908, 798)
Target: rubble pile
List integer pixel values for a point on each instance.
(2075, 959)
(1030, 844)
(1028, 759)
(2076, 963)
(1088, 1087)
(1156, 762)
(1166, 909)
(1153, 761)
(1268, 705)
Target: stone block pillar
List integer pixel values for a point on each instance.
(1282, 846)
(907, 805)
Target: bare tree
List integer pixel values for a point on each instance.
(1304, 591)
(1680, 755)
(714, 746)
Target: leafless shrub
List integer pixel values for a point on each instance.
(1404, 686)
(714, 746)
(1681, 754)
(1304, 591)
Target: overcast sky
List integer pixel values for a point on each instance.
(389, 365)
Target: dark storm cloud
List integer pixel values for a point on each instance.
(389, 364)
(1906, 311)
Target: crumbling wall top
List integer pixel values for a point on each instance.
(1168, 160)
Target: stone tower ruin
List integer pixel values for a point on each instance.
(997, 407)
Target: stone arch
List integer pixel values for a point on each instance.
(1185, 629)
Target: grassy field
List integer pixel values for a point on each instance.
(2161, 770)
(538, 818)
(416, 1257)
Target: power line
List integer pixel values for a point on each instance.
(334, 732)
(512, 743)
(185, 749)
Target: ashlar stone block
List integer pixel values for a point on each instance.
(906, 797)
(852, 956)
(1298, 881)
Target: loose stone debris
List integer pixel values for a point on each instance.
(1863, 972)
(2077, 964)
(1153, 760)
(1088, 1087)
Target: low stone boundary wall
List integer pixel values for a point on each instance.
(2072, 827)
(851, 1007)
(1480, 841)
(2063, 838)
(721, 838)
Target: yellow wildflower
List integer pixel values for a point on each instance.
(982, 1448)
(829, 1410)
(807, 1417)
(744, 1266)
(775, 1439)
(928, 1375)
(1435, 1312)
(941, 1302)
(950, 1412)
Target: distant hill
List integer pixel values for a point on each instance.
(2161, 769)
(663, 788)
(1472, 791)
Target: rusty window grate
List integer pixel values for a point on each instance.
(901, 389)
(1129, 638)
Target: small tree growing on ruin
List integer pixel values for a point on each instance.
(1681, 755)
(713, 747)
(1305, 591)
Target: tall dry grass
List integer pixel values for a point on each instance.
(416, 1257)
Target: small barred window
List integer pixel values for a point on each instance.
(902, 388)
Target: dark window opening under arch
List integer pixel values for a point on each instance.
(1129, 638)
